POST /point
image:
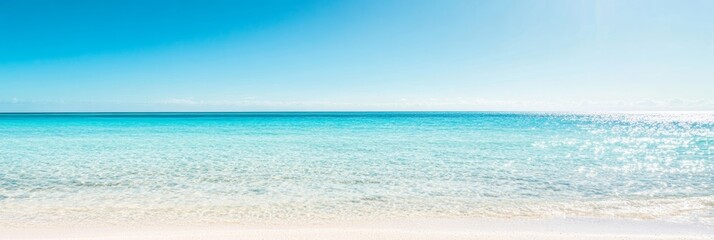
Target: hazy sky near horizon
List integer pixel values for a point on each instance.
(356, 55)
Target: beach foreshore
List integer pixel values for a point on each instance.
(401, 229)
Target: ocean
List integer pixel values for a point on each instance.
(155, 168)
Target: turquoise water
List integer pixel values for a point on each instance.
(318, 167)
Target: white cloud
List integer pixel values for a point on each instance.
(432, 104)
(450, 104)
(180, 101)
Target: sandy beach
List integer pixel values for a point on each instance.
(356, 176)
(402, 229)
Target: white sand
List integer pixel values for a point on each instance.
(406, 229)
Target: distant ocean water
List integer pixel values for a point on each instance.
(118, 168)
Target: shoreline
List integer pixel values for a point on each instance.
(564, 228)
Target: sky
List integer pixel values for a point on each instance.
(356, 55)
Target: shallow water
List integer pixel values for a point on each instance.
(315, 167)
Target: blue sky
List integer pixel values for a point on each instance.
(356, 55)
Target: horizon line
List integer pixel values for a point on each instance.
(372, 111)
